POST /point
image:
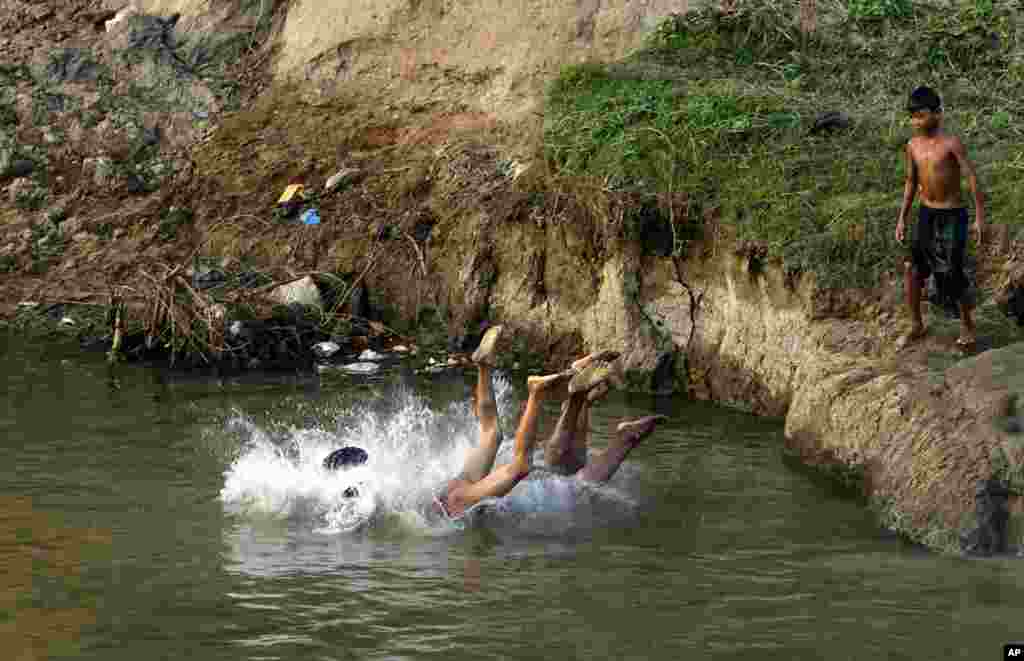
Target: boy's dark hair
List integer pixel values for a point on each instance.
(924, 98)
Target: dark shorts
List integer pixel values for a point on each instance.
(938, 249)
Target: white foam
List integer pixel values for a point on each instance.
(412, 452)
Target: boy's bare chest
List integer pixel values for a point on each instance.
(934, 159)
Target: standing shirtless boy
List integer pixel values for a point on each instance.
(935, 161)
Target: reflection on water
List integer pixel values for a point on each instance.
(182, 517)
(40, 584)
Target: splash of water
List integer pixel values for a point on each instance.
(413, 450)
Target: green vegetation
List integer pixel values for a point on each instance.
(721, 109)
(171, 221)
(47, 245)
(934, 534)
(8, 115)
(30, 199)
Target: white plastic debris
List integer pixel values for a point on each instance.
(67, 321)
(326, 349)
(370, 354)
(360, 368)
(400, 348)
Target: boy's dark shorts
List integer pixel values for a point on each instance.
(938, 248)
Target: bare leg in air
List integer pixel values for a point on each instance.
(566, 451)
(601, 467)
(478, 479)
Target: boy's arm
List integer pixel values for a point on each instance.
(967, 169)
(909, 192)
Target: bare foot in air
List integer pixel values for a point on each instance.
(486, 353)
(542, 383)
(637, 430)
(592, 371)
(599, 356)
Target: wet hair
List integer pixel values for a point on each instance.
(924, 98)
(345, 457)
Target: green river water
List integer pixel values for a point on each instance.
(146, 515)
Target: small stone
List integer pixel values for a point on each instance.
(135, 185)
(302, 291)
(150, 135)
(400, 348)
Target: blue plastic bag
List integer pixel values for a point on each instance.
(311, 217)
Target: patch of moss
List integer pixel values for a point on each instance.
(934, 535)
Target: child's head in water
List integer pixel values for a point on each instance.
(346, 457)
(925, 108)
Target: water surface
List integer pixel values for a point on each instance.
(151, 515)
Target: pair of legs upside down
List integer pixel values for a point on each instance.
(566, 450)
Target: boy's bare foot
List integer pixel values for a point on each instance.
(541, 383)
(593, 374)
(486, 353)
(913, 335)
(602, 356)
(637, 430)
